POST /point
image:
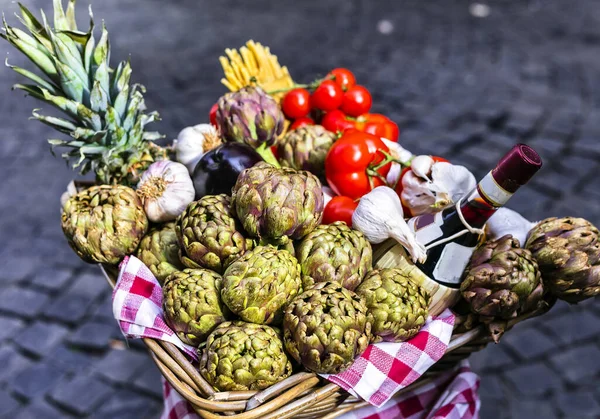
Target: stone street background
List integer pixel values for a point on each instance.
(460, 86)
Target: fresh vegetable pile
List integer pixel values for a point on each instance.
(264, 217)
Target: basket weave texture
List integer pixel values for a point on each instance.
(302, 395)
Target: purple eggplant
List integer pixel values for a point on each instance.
(218, 170)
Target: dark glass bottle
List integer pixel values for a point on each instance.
(447, 260)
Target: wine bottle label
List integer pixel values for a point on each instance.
(492, 192)
(452, 263)
(427, 227)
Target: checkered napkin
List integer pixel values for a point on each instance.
(381, 371)
(452, 395)
(137, 305)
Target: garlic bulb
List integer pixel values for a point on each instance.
(431, 186)
(402, 155)
(193, 142)
(379, 216)
(166, 189)
(507, 221)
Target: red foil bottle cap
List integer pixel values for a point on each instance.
(517, 167)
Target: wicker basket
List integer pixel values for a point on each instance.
(302, 395)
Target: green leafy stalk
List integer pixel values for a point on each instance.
(106, 117)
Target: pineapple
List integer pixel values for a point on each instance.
(105, 114)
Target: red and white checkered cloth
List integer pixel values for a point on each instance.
(375, 376)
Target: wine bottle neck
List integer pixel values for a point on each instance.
(492, 191)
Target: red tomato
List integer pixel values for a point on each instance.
(212, 115)
(343, 78)
(301, 122)
(379, 125)
(357, 101)
(335, 121)
(296, 103)
(350, 165)
(327, 96)
(340, 208)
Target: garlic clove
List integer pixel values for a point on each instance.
(379, 216)
(421, 166)
(397, 151)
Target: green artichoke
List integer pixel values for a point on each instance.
(501, 282)
(249, 116)
(276, 204)
(568, 253)
(192, 305)
(306, 148)
(326, 328)
(398, 306)
(334, 252)
(243, 356)
(105, 223)
(209, 234)
(159, 251)
(259, 284)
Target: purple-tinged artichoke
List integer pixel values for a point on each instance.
(335, 253)
(326, 328)
(249, 116)
(502, 281)
(192, 304)
(398, 306)
(568, 253)
(243, 356)
(209, 234)
(305, 148)
(258, 285)
(278, 204)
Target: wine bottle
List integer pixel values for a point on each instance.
(446, 261)
(451, 235)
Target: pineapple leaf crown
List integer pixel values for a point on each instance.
(105, 114)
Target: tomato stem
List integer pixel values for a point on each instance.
(388, 158)
(310, 86)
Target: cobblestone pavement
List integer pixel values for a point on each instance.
(460, 86)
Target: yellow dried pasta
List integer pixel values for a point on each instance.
(254, 64)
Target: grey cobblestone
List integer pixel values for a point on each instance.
(94, 336)
(126, 404)
(40, 408)
(529, 343)
(10, 327)
(121, 366)
(36, 380)
(527, 72)
(81, 394)
(578, 364)
(40, 338)
(8, 404)
(24, 302)
(533, 379)
(12, 362)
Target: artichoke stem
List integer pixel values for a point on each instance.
(267, 155)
